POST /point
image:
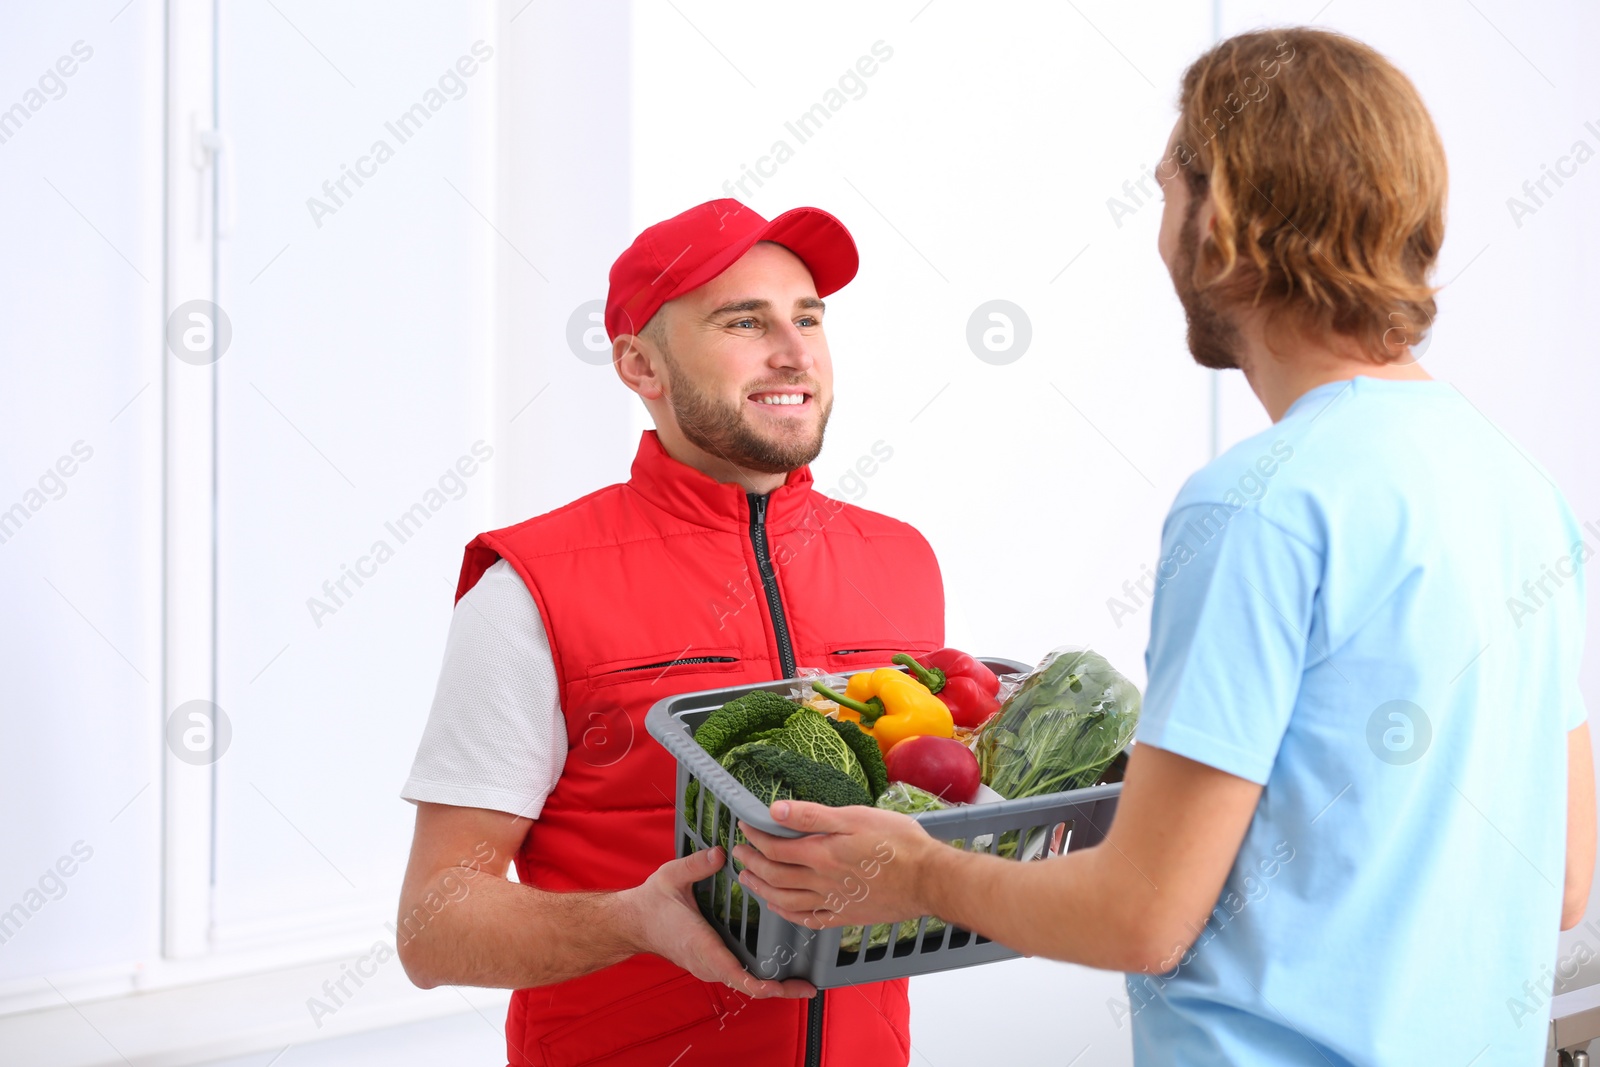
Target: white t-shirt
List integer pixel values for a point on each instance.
(495, 736)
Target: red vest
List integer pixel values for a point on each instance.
(653, 587)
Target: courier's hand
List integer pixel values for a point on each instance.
(668, 923)
(856, 867)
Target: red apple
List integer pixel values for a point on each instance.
(943, 766)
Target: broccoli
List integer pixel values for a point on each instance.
(867, 753)
(736, 720)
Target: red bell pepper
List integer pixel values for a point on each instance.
(966, 686)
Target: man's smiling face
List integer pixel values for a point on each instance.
(748, 375)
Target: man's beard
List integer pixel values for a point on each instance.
(1213, 340)
(720, 429)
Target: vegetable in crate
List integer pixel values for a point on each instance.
(890, 706)
(966, 686)
(867, 753)
(808, 733)
(780, 751)
(851, 937)
(736, 720)
(1061, 728)
(761, 715)
(805, 756)
(774, 773)
(908, 800)
(948, 664)
(943, 767)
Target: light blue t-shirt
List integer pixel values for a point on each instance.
(1375, 609)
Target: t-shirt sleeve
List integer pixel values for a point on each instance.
(495, 737)
(1570, 632)
(1228, 638)
(1577, 714)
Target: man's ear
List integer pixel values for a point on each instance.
(637, 366)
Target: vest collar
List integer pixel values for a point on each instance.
(686, 493)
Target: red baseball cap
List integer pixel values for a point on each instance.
(688, 250)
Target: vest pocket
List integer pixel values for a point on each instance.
(647, 1016)
(869, 652)
(663, 665)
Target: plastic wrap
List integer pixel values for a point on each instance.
(909, 800)
(1060, 727)
(802, 693)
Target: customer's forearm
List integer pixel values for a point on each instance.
(474, 928)
(1077, 908)
(1136, 901)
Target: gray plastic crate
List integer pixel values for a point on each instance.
(773, 947)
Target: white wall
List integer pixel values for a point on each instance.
(368, 354)
(360, 356)
(433, 309)
(80, 580)
(568, 423)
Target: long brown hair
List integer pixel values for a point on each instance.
(1328, 181)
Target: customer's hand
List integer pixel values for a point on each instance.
(668, 923)
(853, 866)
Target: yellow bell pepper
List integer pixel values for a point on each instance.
(891, 706)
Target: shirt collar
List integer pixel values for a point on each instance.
(694, 497)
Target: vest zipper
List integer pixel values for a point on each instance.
(682, 660)
(769, 581)
(780, 626)
(814, 1030)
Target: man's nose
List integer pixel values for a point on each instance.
(791, 348)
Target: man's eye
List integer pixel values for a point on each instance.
(809, 320)
(743, 322)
